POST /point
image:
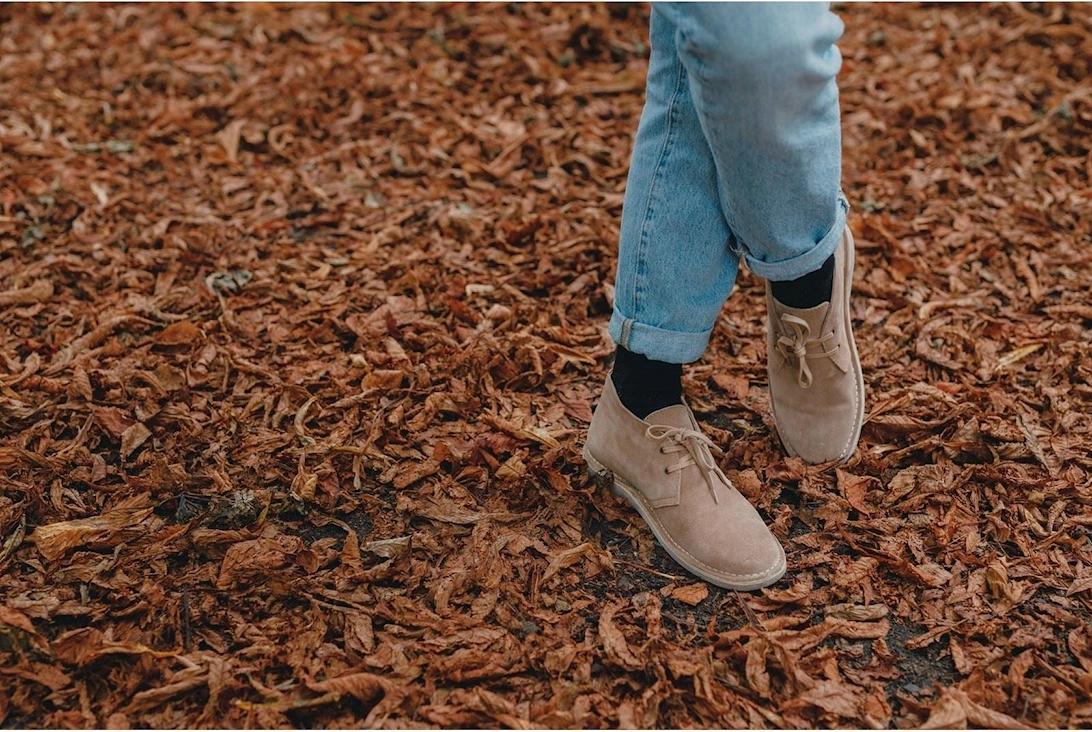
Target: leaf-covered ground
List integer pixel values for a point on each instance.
(302, 317)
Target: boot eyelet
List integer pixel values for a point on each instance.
(666, 471)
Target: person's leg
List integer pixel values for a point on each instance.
(676, 267)
(762, 80)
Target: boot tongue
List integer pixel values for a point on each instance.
(677, 415)
(814, 317)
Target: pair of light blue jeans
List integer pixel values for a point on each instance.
(738, 154)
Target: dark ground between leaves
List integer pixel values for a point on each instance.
(303, 313)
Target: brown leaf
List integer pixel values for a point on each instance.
(410, 475)
(615, 647)
(81, 385)
(255, 559)
(366, 687)
(947, 713)
(54, 540)
(834, 697)
(858, 613)
(954, 709)
(16, 631)
(229, 139)
(184, 681)
(171, 379)
(83, 645)
(359, 635)
(512, 468)
(758, 678)
(855, 489)
(133, 437)
(39, 291)
(182, 333)
(569, 557)
(384, 379)
(801, 588)
(13, 540)
(113, 420)
(997, 580)
(691, 594)
(1081, 584)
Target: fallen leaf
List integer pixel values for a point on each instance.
(37, 292)
(365, 687)
(615, 647)
(182, 333)
(385, 379)
(855, 489)
(569, 557)
(1081, 584)
(133, 437)
(255, 559)
(834, 697)
(691, 594)
(55, 540)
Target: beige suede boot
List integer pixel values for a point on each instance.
(816, 384)
(664, 467)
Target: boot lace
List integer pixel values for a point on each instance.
(794, 348)
(696, 449)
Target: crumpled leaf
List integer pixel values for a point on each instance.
(954, 709)
(254, 559)
(569, 557)
(37, 292)
(55, 540)
(132, 438)
(615, 647)
(17, 632)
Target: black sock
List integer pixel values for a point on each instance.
(644, 385)
(814, 288)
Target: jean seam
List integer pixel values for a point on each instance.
(700, 72)
(627, 329)
(661, 164)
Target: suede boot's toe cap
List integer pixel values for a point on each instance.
(834, 442)
(729, 544)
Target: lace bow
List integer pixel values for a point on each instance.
(697, 448)
(795, 348)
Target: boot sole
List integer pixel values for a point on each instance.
(677, 552)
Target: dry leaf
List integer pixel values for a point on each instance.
(569, 557)
(385, 379)
(615, 647)
(182, 333)
(133, 437)
(55, 540)
(855, 489)
(39, 291)
(691, 594)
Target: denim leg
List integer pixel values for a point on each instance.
(762, 80)
(675, 266)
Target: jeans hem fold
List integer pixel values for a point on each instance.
(809, 261)
(658, 344)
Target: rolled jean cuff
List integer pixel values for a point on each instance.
(809, 261)
(669, 346)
